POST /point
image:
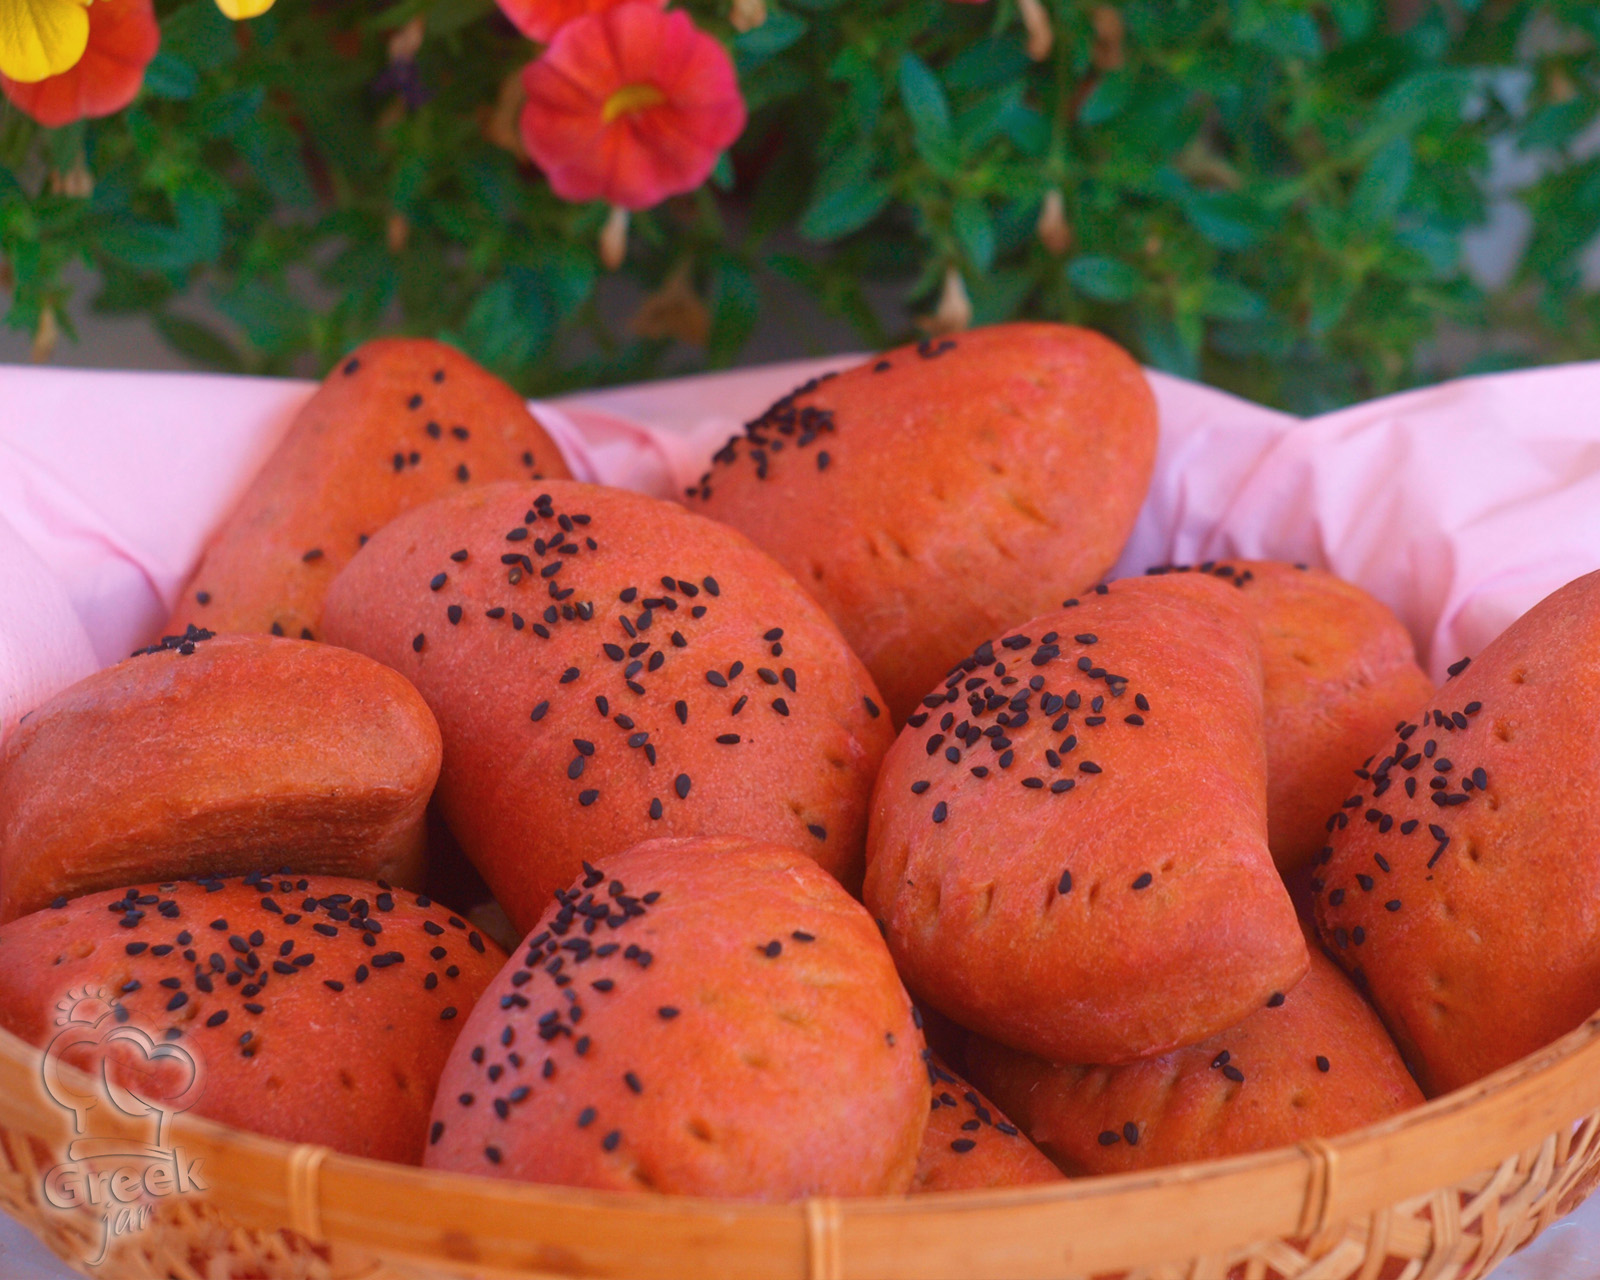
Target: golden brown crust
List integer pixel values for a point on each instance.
(1315, 1063)
(216, 756)
(1471, 909)
(733, 1028)
(934, 495)
(1088, 877)
(970, 1144)
(586, 705)
(245, 971)
(1339, 672)
(400, 422)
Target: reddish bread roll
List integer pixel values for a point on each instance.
(1314, 1061)
(216, 756)
(1068, 843)
(1461, 883)
(400, 422)
(734, 1029)
(315, 1008)
(969, 1144)
(607, 668)
(937, 494)
(1340, 672)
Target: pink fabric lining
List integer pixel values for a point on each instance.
(1460, 505)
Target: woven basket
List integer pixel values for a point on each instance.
(1447, 1191)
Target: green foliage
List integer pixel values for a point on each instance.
(1267, 194)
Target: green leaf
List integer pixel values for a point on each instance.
(1224, 220)
(199, 342)
(1104, 279)
(837, 213)
(1556, 125)
(735, 309)
(1171, 347)
(1230, 300)
(1377, 196)
(974, 229)
(510, 321)
(1107, 99)
(170, 77)
(923, 97)
(777, 33)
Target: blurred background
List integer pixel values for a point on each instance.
(1306, 203)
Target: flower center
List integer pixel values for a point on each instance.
(631, 98)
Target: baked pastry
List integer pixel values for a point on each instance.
(607, 668)
(936, 494)
(1068, 842)
(969, 1144)
(216, 755)
(317, 1009)
(1340, 672)
(711, 1017)
(1312, 1062)
(1460, 878)
(400, 422)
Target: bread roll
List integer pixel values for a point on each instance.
(1340, 672)
(711, 1017)
(216, 755)
(314, 1008)
(1461, 883)
(935, 495)
(607, 668)
(1312, 1062)
(400, 422)
(969, 1144)
(1068, 842)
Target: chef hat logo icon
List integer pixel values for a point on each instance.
(129, 1070)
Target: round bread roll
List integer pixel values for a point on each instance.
(1461, 882)
(607, 668)
(938, 493)
(711, 1017)
(969, 1144)
(313, 1008)
(1312, 1062)
(1339, 673)
(216, 755)
(1068, 843)
(399, 422)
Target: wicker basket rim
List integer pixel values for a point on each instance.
(1533, 1083)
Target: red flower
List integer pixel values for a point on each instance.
(123, 37)
(630, 105)
(541, 19)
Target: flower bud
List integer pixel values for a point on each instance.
(614, 238)
(1036, 20)
(1054, 233)
(747, 15)
(954, 312)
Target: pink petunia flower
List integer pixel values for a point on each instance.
(541, 19)
(630, 105)
(123, 38)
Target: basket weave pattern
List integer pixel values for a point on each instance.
(279, 1212)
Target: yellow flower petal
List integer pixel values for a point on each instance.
(237, 9)
(41, 38)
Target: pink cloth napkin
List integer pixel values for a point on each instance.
(1459, 505)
